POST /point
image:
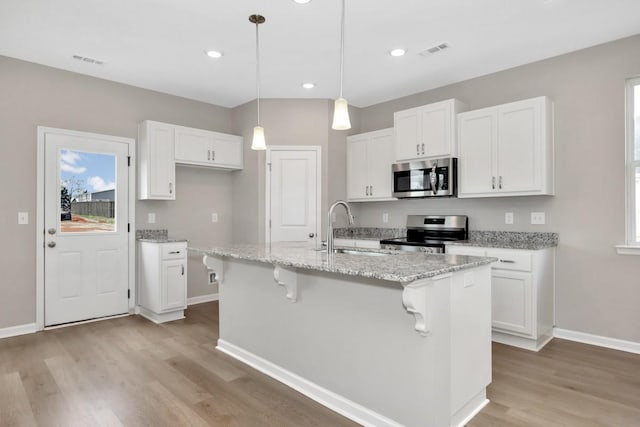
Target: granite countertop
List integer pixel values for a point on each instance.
(395, 266)
(156, 236)
(510, 240)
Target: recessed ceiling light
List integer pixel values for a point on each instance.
(301, 1)
(214, 54)
(397, 52)
(308, 85)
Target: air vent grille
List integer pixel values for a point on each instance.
(434, 49)
(88, 60)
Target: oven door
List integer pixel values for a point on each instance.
(428, 178)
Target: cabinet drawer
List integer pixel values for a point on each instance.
(511, 260)
(174, 251)
(466, 250)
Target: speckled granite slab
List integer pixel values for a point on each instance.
(156, 236)
(511, 240)
(368, 233)
(395, 266)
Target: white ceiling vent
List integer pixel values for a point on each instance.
(434, 49)
(88, 60)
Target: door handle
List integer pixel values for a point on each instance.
(51, 244)
(51, 231)
(312, 235)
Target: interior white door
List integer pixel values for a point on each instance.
(294, 203)
(86, 255)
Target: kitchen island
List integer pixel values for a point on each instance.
(386, 339)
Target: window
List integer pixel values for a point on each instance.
(633, 161)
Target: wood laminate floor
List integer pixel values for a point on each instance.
(131, 372)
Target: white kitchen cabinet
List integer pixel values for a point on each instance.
(506, 150)
(428, 131)
(206, 148)
(162, 280)
(156, 167)
(369, 160)
(522, 288)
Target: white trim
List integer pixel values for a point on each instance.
(82, 322)
(202, 299)
(530, 344)
(613, 343)
(40, 177)
(158, 318)
(470, 409)
(267, 180)
(628, 249)
(331, 400)
(14, 331)
(630, 164)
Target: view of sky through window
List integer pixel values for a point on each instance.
(85, 173)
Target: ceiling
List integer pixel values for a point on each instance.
(160, 44)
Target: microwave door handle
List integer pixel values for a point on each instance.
(433, 178)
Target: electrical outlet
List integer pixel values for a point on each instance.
(214, 217)
(23, 218)
(538, 218)
(151, 218)
(385, 217)
(508, 218)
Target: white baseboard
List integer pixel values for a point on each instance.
(202, 299)
(14, 331)
(613, 343)
(331, 400)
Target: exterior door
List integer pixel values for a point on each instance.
(293, 202)
(86, 252)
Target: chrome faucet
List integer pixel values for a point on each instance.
(330, 223)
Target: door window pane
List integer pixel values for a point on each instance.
(637, 227)
(636, 121)
(87, 192)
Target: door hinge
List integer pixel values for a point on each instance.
(269, 164)
(129, 161)
(128, 227)
(128, 293)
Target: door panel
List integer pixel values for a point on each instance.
(512, 301)
(86, 248)
(293, 186)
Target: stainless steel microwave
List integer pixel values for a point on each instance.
(426, 178)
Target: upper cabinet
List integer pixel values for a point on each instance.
(161, 146)
(506, 150)
(156, 168)
(428, 131)
(205, 148)
(369, 159)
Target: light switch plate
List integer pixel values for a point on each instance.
(538, 218)
(214, 217)
(508, 218)
(23, 218)
(385, 217)
(151, 218)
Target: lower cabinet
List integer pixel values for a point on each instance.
(522, 294)
(162, 280)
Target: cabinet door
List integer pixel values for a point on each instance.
(477, 137)
(159, 168)
(174, 285)
(512, 302)
(193, 146)
(226, 151)
(357, 181)
(520, 146)
(380, 151)
(437, 138)
(407, 130)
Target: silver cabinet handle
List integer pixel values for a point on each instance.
(182, 269)
(493, 182)
(51, 244)
(417, 148)
(507, 261)
(171, 188)
(366, 190)
(213, 155)
(208, 154)
(422, 148)
(371, 190)
(500, 182)
(174, 252)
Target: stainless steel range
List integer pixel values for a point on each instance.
(429, 233)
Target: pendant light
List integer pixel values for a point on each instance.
(341, 106)
(258, 142)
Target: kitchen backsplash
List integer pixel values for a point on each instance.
(152, 234)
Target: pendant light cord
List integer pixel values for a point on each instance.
(258, 71)
(342, 50)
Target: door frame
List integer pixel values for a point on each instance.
(40, 205)
(267, 199)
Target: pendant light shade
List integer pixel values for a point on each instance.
(341, 106)
(258, 142)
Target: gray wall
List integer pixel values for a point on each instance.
(597, 291)
(35, 95)
(285, 122)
